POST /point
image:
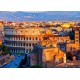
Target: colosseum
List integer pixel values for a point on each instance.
(21, 40)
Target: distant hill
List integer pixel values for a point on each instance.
(39, 16)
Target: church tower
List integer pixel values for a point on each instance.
(77, 37)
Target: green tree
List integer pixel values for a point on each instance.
(6, 52)
(36, 66)
(4, 48)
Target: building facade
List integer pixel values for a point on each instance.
(21, 40)
(46, 55)
(75, 45)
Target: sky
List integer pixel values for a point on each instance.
(39, 5)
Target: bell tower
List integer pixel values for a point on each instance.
(77, 37)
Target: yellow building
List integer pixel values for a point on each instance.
(65, 25)
(49, 54)
(44, 52)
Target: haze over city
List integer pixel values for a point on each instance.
(40, 15)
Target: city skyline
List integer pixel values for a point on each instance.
(39, 44)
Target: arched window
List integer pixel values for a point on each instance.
(23, 44)
(33, 44)
(26, 38)
(36, 38)
(29, 38)
(29, 44)
(21, 38)
(26, 44)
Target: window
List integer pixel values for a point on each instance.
(29, 44)
(15, 38)
(18, 44)
(26, 38)
(23, 44)
(26, 50)
(45, 38)
(29, 50)
(76, 37)
(21, 38)
(14, 44)
(76, 34)
(36, 38)
(29, 38)
(33, 44)
(32, 38)
(76, 40)
(26, 44)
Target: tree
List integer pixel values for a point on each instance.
(36, 66)
(5, 52)
(4, 48)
